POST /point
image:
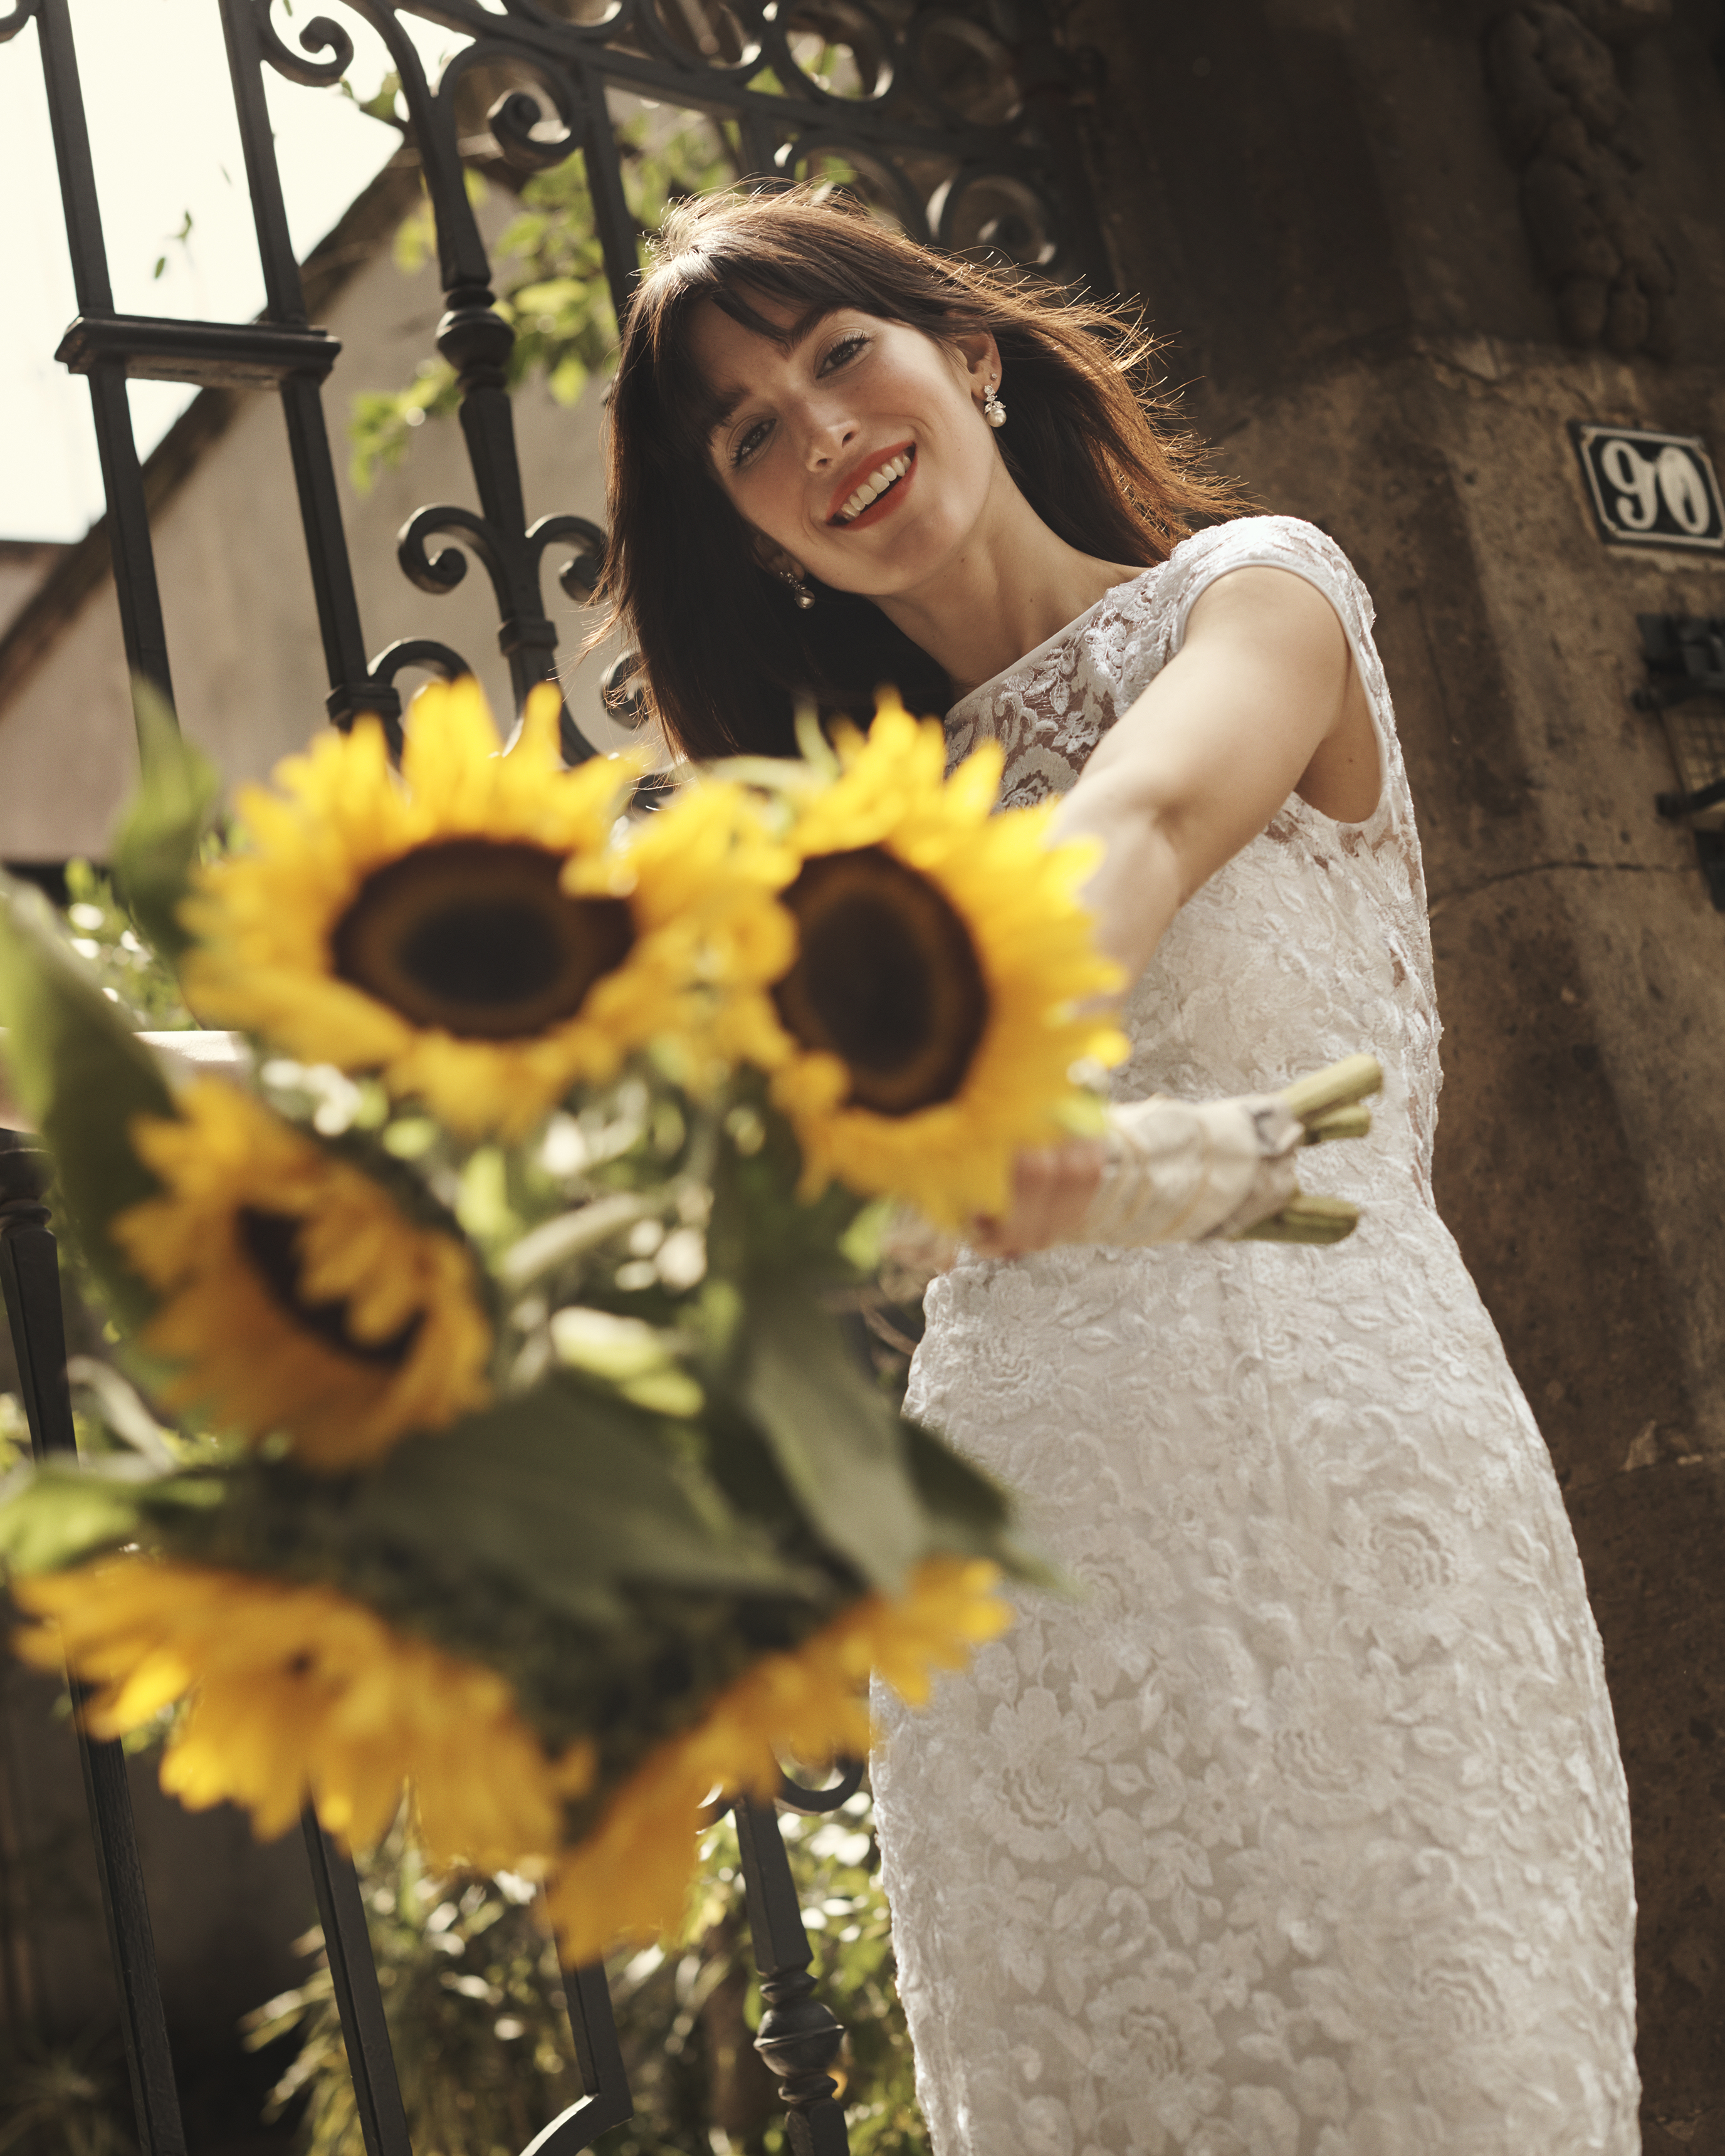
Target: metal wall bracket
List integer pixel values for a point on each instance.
(1684, 655)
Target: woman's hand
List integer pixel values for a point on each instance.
(1051, 1191)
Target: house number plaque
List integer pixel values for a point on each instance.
(1651, 489)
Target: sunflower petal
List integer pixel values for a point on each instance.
(295, 1295)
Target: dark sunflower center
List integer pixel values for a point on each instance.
(475, 936)
(886, 978)
(271, 1241)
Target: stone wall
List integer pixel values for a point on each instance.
(1380, 324)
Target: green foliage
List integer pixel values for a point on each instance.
(62, 1514)
(63, 2099)
(562, 1498)
(380, 105)
(550, 282)
(157, 841)
(14, 1432)
(835, 1439)
(81, 1075)
(474, 2002)
(181, 239)
(129, 970)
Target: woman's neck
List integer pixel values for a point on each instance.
(1011, 586)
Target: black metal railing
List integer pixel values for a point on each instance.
(957, 121)
(30, 1278)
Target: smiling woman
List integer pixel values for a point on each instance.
(763, 313)
(1304, 1828)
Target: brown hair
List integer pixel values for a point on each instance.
(725, 653)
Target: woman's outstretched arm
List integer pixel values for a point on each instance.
(1263, 700)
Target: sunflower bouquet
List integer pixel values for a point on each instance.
(517, 1456)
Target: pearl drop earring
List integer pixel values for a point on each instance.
(994, 411)
(799, 591)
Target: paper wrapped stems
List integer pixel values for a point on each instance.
(1180, 1173)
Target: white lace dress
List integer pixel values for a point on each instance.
(1303, 1833)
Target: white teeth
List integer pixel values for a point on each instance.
(872, 488)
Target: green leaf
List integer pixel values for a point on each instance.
(972, 1514)
(838, 1443)
(567, 379)
(565, 1496)
(155, 845)
(82, 1076)
(64, 1514)
(570, 1492)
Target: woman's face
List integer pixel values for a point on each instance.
(860, 453)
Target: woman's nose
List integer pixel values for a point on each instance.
(827, 441)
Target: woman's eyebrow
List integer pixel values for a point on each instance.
(723, 407)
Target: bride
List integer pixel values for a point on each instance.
(1302, 1832)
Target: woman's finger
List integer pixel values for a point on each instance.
(1052, 1187)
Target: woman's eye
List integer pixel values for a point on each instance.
(846, 348)
(748, 443)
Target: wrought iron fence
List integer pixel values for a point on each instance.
(956, 120)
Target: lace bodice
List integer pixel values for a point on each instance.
(1321, 923)
(1303, 1831)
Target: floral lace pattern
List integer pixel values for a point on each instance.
(1302, 1831)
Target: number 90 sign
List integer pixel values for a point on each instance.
(1651, 489)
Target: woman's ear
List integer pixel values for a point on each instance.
(981, 358)
(772, 558)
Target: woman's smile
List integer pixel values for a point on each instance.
(880, 489)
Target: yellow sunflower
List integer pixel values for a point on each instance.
(467, 929)
(627, 1880)
(298, 1693)
(700, 876)
(942, 952)
(295, 1293)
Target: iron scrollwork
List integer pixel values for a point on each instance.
(921, 108)
(319, 35)
(799, 2039)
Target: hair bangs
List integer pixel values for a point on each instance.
(811, 273)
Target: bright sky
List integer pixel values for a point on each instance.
(165, 142)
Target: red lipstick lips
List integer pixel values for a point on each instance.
(858, 475)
